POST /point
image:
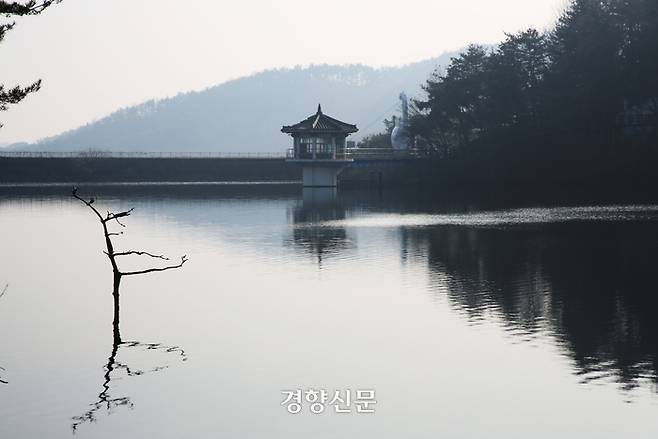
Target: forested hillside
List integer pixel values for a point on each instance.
(246, 115)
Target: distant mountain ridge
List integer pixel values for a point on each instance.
(246, 114)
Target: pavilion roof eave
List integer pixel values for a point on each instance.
(291, 131)
(320, 123)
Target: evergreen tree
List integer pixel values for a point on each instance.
(514, 80)
(16, 94)
(456, 99)
(569, 87)
(637, 24)
(584, 80)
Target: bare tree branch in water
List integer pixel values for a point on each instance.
(113, 366)
(111, 253)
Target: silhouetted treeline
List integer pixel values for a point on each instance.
(576, 103)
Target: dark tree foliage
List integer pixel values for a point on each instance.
(637, 24)
(514, 76)
(586, 91)
(380, 140)
(16, 94)
(456, 100)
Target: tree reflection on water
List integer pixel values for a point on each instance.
(2, 293)
(115, 368)
(113, 365)
(589, 285)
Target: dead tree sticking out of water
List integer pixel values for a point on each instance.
(113, 255)
(105, 400)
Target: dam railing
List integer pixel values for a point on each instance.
(348, 153)
(360, 153)
(381, 153)
(144, 155)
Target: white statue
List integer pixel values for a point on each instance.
(400, 134)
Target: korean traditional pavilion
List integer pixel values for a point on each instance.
(319, 146)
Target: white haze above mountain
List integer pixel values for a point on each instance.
(246, 115)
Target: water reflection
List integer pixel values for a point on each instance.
(105, 399)
(580, 276)
(589, 285)
(319, 206)
(113, 368)
(2, 369)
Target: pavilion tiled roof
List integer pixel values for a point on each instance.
(320, 123)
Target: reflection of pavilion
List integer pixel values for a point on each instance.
(312, 229)
(319, 146)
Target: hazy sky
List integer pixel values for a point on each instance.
(96, 56)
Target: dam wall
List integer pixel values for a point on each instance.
(80, 169)
(113, 169)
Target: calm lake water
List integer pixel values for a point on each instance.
(470, 320)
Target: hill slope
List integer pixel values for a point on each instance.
(245, 115)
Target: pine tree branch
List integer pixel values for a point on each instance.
(4, 28)
(16, 94)
(32, 7)
(8, 9)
